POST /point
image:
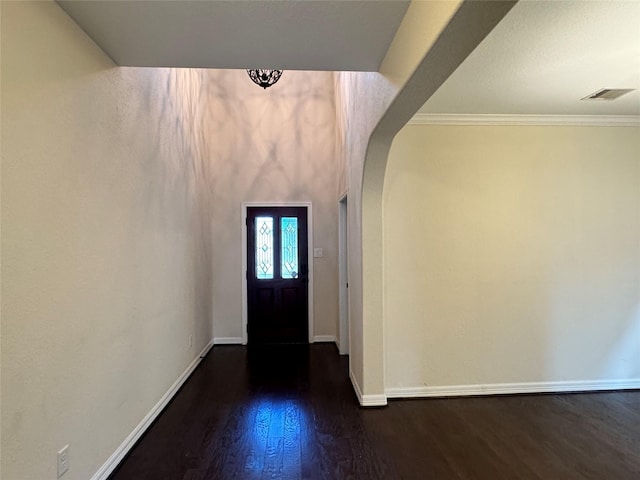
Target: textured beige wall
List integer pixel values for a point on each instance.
(274, 145)
(433, 39)
(512, 254)
(121, 227)
(362, 100)
(106, 242)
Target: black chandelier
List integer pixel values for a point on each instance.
(264, 78)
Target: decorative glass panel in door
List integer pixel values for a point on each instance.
(289, 244)
(264, 247)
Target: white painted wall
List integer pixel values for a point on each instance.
(511, 255)
(433, 39)
(106, 242)
(274, 145)
(362, 100)
(121, 228)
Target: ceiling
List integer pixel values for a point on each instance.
(541, 59)
(544, 57)
(286, 34)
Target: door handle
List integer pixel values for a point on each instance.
(304, 273)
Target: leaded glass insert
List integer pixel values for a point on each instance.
(264, 248)
(289, 243)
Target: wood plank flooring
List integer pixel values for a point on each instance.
(290, 413)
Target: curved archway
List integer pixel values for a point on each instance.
(418, 62)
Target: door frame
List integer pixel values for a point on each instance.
(343, 274)
(243, 272)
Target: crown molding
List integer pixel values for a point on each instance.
(575, 120)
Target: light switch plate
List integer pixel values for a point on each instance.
(318, 253)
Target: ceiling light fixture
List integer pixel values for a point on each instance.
(264, 78)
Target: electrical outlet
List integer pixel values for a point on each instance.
(63, 461)
(190, 341)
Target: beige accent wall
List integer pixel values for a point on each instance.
(512, 255)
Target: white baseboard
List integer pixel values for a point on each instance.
(493, 119)
(513, 388)
(227, 340)
(324, 339)
(114, 460)
(366, 400)
(238, 340)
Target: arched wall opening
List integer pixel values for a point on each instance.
(410, 78)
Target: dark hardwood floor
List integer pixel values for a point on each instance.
(290, 413)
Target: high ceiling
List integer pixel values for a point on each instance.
(541, 59)
(544, 57)
(289, 34)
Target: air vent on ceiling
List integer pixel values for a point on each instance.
(608, 93)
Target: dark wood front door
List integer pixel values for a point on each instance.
(277, 275)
